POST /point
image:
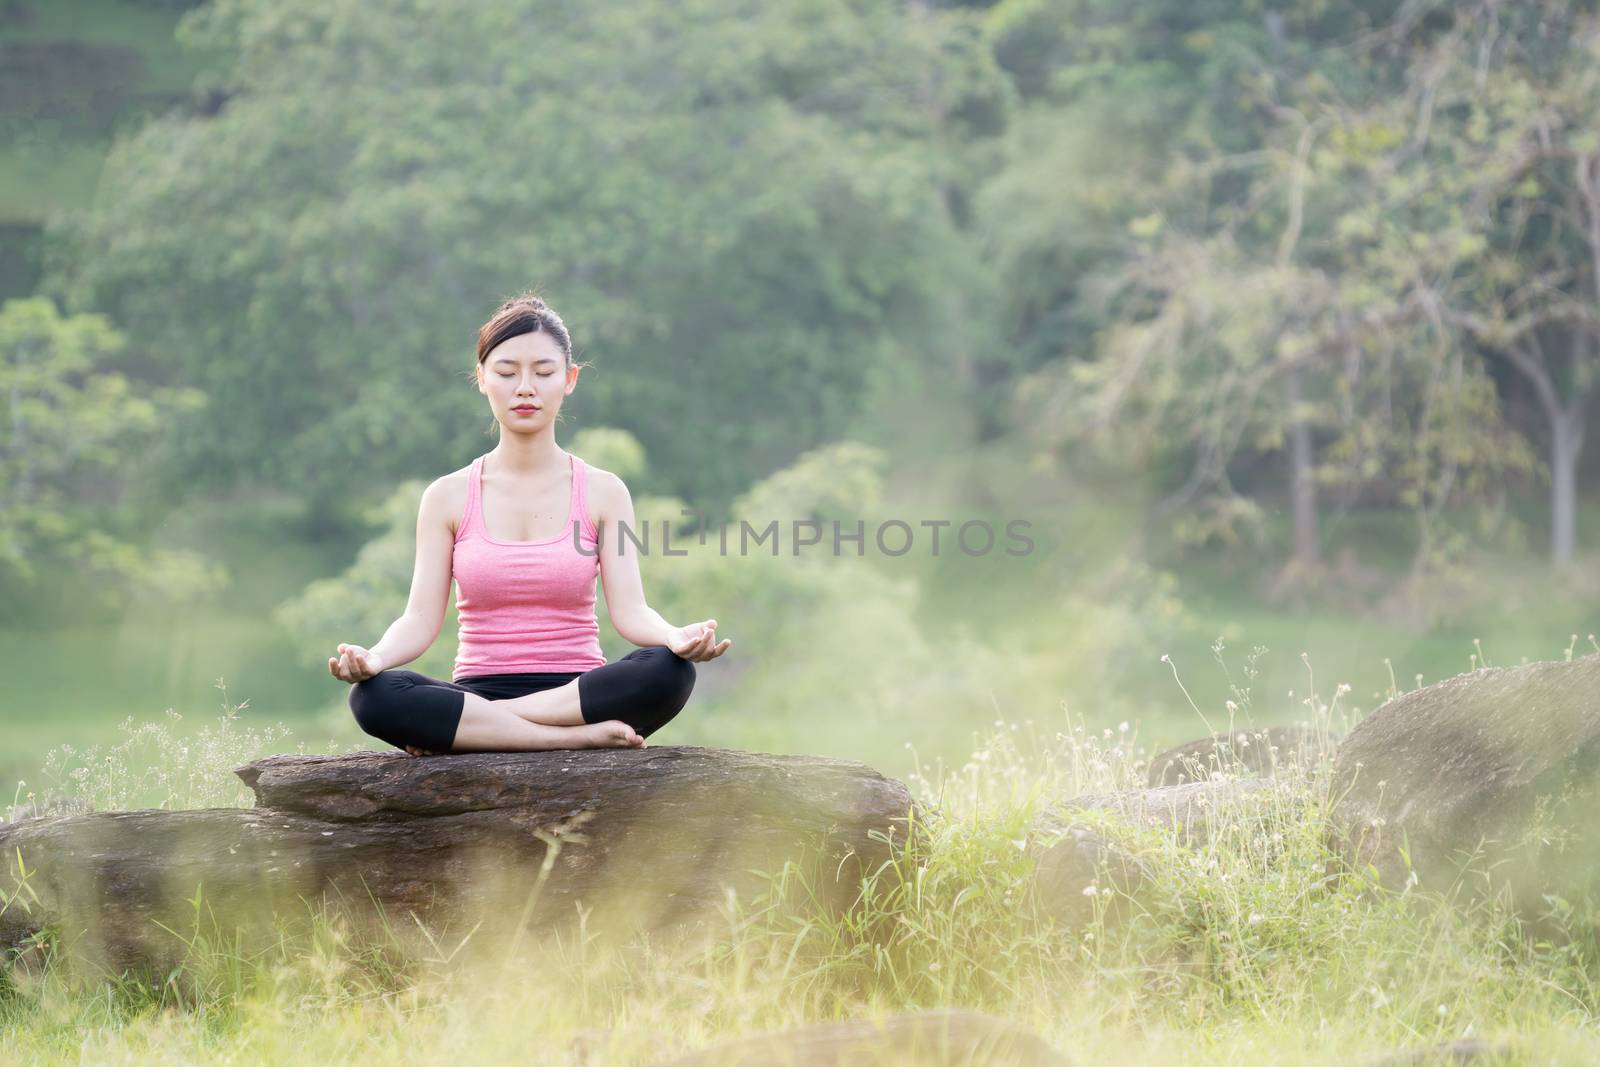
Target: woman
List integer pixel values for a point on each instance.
(519, 532)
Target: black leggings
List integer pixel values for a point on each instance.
(644, 689)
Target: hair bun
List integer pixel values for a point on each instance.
(526, 301)
(523, 313)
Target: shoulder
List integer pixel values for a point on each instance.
(607, 494)
(445, 498)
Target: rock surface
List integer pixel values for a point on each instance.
(1078, 854)
(1189, 810)
(646, 838)
(1263, 752)
(1497, 766)
(924, 1039)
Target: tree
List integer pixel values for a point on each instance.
(72, 424)
(1256, 298)
(732, 207)
(1514, 100)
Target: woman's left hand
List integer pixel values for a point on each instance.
(697, 642)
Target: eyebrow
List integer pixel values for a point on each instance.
(508, 359)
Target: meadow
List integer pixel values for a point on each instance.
(1254, 949)
(1247, 952)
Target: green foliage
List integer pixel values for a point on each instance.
(1301, 252)
(677, 182)
(617, 451)
(73, 421)
(360, 602)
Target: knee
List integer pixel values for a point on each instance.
(677, 676)
(368, 703)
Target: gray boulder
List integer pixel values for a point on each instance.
(1263, 751)
(1085, 847)
(1496, 769)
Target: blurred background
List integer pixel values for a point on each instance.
(1279, 322)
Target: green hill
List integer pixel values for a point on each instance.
(73, 73)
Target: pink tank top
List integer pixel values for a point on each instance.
(526, 606)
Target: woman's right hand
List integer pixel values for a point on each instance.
(354, 664)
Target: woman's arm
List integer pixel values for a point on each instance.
(417, 628)
(611, 506)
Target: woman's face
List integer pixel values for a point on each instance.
(525, 378)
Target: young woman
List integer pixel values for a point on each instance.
(508, 528)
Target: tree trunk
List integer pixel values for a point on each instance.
(1302, 479)
(1566, 444)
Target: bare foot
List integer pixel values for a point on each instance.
(613, 733)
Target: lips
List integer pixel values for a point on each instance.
(525, 410)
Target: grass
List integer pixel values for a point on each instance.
(1242, 951)
(73, 679)
(1246, 951)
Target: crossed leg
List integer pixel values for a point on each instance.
(424, 715)
(615, 705)
(485, 726)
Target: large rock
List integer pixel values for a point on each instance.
(1496, 768)
(1264, 751)
(650, 838)
(1087, 846)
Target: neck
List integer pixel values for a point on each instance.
(528, 453)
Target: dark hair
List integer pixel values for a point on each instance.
(519, 315)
